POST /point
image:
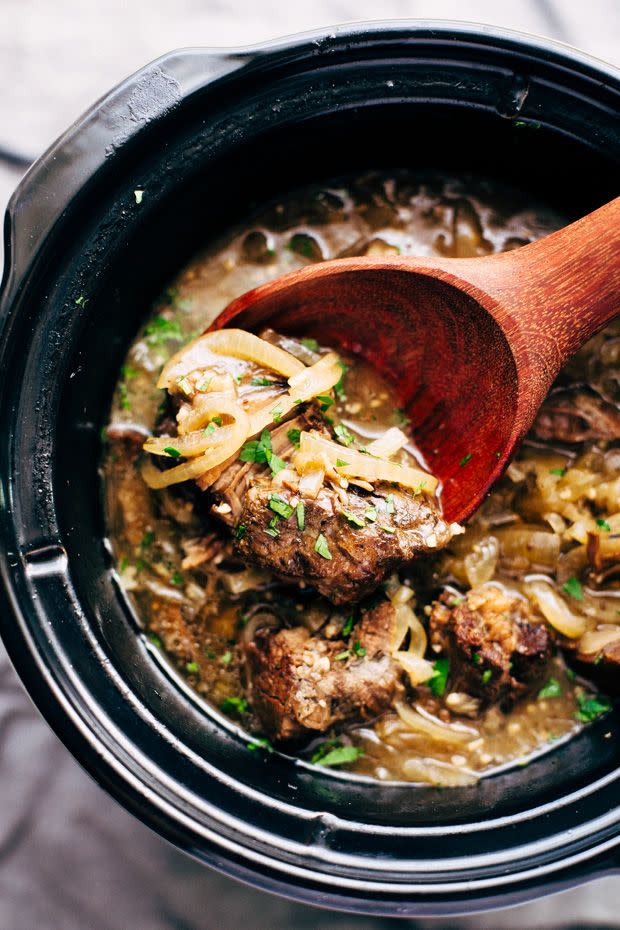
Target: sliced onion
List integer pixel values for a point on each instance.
(198, 441)
(203, 408)
(555, 610)
(419, 670)
(198, 466)
(315, 451)
(234, 342)
(387, 445)
(596, 640)
(451, 734)
(317, 379)
(311, 482)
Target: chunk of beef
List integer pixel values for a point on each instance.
(357, 557)
(496, 648)
(576, 415)
(302, 684)
(601, 666)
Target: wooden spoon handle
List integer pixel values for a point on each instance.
(554, 294)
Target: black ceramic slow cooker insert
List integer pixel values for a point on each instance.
(209, 135)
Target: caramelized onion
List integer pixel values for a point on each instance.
(392, 441)
(451, 734)
(314, 451)
(555, 610)
(418, 669)
(317, 379)
(203, 408)
(234, 342)
(198, 441)
(156, 479)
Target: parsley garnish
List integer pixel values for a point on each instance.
(260, 451)
(192, 667)
(342, 656)
(148, 539)
(358, 649)
(172, 452)
(310, 344)
(324, 400)
(341, 464)
(477, 658)
(371, 514)
(386, 529)
(261, 743)
(177, 578)
(293, 437)
(226, 659)
(81, 301)
(217, 420)
(300, 510)
(339, 387)
(321, 547)
(272, 530)
(234, 705)
(333, 753)
(346, 630)
(466, 459)
(211, 428)
(160, 330)
(155, 640)
(486, 676)
(560, 472)
(280, 506)
(352, 518)
(389, 503)
(573, 588)
(401, 417)
(276, 414)
(261, 382)
(343, 435)
(591, 707)
(552, 689)
(604, 525)
(439, 679)
(240, 531)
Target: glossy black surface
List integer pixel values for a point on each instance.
(206, 136)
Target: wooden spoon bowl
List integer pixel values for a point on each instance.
(471, 345)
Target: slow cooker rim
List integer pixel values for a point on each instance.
(267, 47)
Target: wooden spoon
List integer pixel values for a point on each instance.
(471, 345)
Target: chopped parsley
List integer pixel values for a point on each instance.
(192, 667)
(386, 529)
(211, 428)
(260, 451)
(172, 452)
(160, 330)
(591, 707)
(272, 530)
(371, 514)
(217, 420)
(177, 578)
(321, 547)
(401, 417)
(466, 458)
(389, 503)
(573, 588)
(261, 382)
(352, 518)
(234, 705)
(346, 630)
(209, 653)
(560, 472)
(419, 488)
(280, 506)
(240, 531)
(310, 344)
(81, 301)
(339, 386)
(439, 679)
(341, 464)
(342, 656)
(571, 674)
(358, 649)
(148, 539)
(124, 565)
(185, 386)
(276, 414)
(226, 659)
(260, 743)
(552, 689)
(123, 396)
(486, 676)
(333, 753)
(324, 400)
(604, 525)
(293, 437)
(300, 510)
(343, 435)
(454, 602)
(477, 658)
(155, 640)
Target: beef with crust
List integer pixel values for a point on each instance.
(576, 414)
(367, 534)
(302, 684)
(497, 648)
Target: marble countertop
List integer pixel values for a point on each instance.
(70, 857)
